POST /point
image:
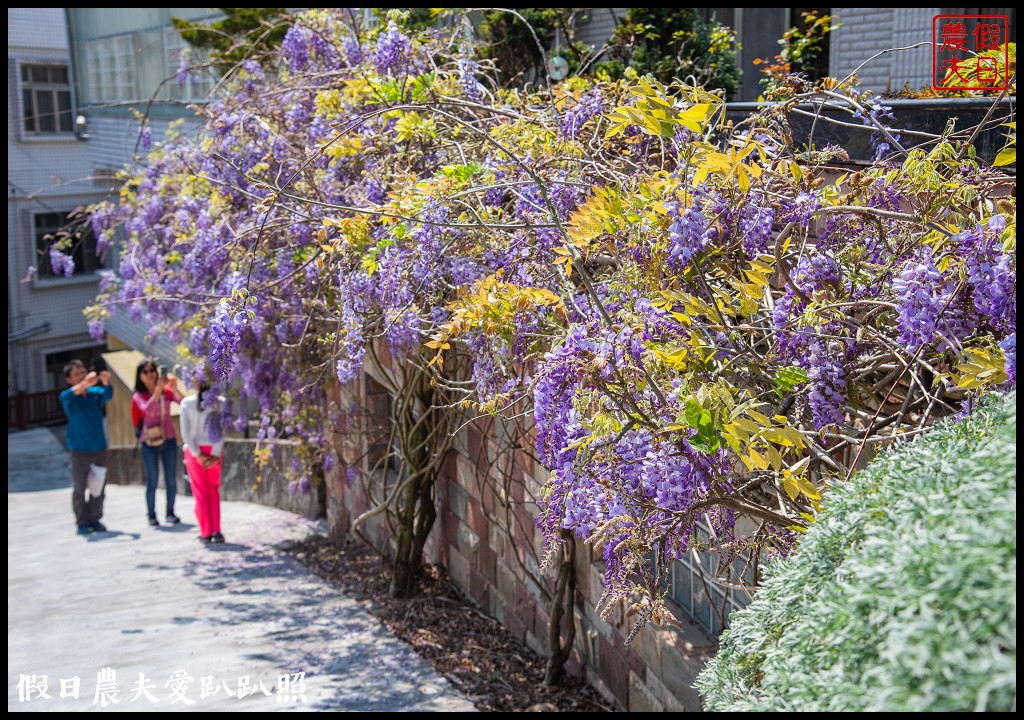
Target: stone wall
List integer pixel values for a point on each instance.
(485, 537)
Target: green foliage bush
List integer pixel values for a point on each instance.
(674, 43)
(902, 597)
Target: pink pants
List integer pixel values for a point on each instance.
(206, 490)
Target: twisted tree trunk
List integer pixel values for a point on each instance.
(559, 645)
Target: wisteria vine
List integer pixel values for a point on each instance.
(705, 324)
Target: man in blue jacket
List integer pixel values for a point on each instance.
(87, 441)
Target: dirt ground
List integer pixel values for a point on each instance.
(472, 650)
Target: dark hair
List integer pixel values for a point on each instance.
(71, 365)
(147, 362)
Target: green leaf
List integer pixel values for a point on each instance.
(692, 414)
(789, 378)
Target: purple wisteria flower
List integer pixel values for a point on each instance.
(97, 330)
(826, 392)
(393, 50)
(589, 105)
(60, 263)
(354, 53)
(991, 272)
(756, 220)
(923, 294)
(873, 119)
(1009, 348)
(184, 66)
(689, 235)
(801, 208)
(468, 69)
(295, 48)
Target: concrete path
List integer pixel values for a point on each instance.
(151, 618)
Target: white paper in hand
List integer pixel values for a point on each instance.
(96, 479)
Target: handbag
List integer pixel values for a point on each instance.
(154, 436)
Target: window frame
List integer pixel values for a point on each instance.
(88, 264)
(698, 590)
(196, 89)
(33, 89)
(110, 68)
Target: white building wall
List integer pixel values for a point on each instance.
(36, 29)
(46, 174)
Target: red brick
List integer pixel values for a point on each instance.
(525, 605)
(516, 490)
(449, 527)
(614, 670)
(525, 526)
(516, 626)
(441, 484)
(372, 386)
(383, 353)
(448, 469)
(488, 500)
(574, 665)
(481, 462)
(473, 443)
(635, 662)
(477, 521)
(487, 561)
(524, 462)
(479, 588)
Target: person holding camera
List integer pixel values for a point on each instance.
(86, 439)
(155, 390)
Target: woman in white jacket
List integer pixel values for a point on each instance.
(203, 463)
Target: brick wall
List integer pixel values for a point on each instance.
(477, 517)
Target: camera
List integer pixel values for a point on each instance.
(99, 365)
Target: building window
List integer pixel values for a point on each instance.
(46, 96)
(111, 68)
(83, 250)
(697, 586)
(201, 79)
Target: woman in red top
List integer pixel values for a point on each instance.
(151, 408)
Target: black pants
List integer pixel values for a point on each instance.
(88, 511)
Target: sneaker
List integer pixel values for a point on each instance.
(86, 530)
(172, 518)
(217, 537)
(99, 527)
(153, 521)
(205, 539)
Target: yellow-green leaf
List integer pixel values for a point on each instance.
(807, 488)
(1006, 156)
